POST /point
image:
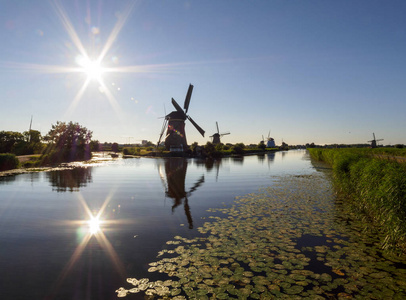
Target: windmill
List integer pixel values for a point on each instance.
(373, 142)
(174, 123)
(271, 142)
(217, 135)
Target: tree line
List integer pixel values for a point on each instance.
(63, 143)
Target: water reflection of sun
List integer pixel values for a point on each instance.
(94, 225)
(91, 227)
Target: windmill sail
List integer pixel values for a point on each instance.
(175, 135)
(187, 99)
(197, 126)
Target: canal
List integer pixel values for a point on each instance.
(253, 227)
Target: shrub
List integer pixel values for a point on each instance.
(8, 161)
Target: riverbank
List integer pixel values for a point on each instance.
(375, 185)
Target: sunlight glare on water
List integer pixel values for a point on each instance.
(94, 225)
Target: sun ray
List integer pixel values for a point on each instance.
(106, 245)
(115, 32)
(110, 97)
(77, 98)
(38, 68)
(69, 27)
(93, 67)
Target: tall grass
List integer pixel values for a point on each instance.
(375, 186)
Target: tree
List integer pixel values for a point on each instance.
(94, 146)
(68, 142)
(8, 141)
(209, 149)
(114, 147)
(238, 148)
(32, 136)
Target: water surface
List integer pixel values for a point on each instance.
(51, 251)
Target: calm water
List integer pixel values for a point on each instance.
(49, 250)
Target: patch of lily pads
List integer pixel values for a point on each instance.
(290, 240)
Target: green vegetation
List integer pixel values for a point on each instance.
(375, 185)
(138, 151)
(209, 150)
(67, 142)
(28, 142)
(8, 161)
(282, 242)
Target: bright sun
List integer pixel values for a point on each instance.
(92, 68)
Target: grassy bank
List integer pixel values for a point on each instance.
(375, 186)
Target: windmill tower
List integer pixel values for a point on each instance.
(217, 135)
(373, 142)
(271, 142)
(174, 124)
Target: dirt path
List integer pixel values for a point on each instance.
(25, 158)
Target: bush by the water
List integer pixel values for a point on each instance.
(376, 186)
(8, 162)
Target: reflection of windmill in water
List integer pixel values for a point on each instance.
(175, 173)
(216, 137)
(374, 141)
(174, 124)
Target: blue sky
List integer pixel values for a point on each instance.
(307, 71)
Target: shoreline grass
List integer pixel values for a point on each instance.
(374, 186)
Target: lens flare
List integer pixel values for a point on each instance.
(94, 225)
(92, 68)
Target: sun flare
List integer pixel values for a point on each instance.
(94, 225)
(92, 68)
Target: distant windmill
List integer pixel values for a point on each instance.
(374, 141)
(216, 136)
(271, 141)
(174, 124)
(29, 131)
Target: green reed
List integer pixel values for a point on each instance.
(375, 186)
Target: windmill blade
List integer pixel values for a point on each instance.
(224, 133)
(177, 106)
(197, 126)
(269, 134)
(187, 99)
(196, 185)
(162, 131)
(218, 131)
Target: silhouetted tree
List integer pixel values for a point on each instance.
(114, 147)
(68, 142)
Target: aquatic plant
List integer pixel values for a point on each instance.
(286, 241)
